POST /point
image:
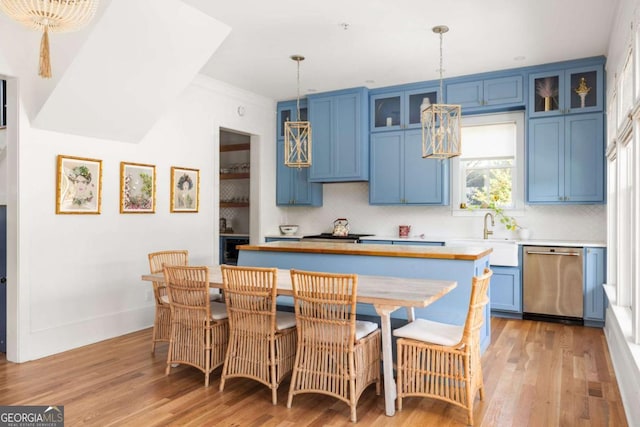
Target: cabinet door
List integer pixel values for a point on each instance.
(288, 111)
(584, 158)
(292, 184)
(593, 82)
(340, 137)
(422, 178)
(467, 94)
(506, 289)
(321, 113)
(546, 94)
(502, 91)
(412, 101)
(385, 183)
(594, 277)
(545, 160)
(385, 111)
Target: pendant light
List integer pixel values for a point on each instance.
(440, 122)
(54, 16)
(297, 135)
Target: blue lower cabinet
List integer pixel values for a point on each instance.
(506, 289)
(281, 239)
(414, 243)
(594, 277)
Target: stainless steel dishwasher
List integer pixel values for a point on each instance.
(552, 284)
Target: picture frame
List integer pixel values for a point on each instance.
(185, 189)
(78, 185)
(137, 188)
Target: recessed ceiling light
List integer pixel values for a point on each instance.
(369, 81)
(344, 25)
(519, 58)
(312, 90)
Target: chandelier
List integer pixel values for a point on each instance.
(57, 16)
(297, 135)
(440, 122)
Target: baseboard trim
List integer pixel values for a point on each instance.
(626, 364)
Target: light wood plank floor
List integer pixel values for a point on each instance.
(536, 374)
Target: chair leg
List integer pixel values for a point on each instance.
(399, 372)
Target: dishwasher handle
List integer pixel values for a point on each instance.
(553, 253)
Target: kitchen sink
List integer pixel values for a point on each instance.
(505, 251)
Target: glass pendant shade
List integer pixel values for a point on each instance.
(297, 144)
(440, 122)
(54, 16)
(297, 135)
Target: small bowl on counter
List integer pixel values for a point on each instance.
(288, 230)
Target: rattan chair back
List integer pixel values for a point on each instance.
(162, 321)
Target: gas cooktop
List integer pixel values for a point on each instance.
(354, 238)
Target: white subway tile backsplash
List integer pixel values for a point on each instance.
(351, 201)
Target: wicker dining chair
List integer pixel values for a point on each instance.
(442, 361)
(162, 321)
(336, 354)
(262, 341)
(199, 327)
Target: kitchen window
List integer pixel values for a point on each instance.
(491, 167)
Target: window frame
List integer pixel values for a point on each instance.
(517, 117)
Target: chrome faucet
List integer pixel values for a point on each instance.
(488, 232)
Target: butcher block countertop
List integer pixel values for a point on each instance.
(401, 251)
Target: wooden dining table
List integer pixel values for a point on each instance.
(386, 294)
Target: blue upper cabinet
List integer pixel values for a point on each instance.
(340, 138)
(488, 94)
(565, 159)
(401, 109)
(288, 112)
(399, 174)
(566, 91)
(292, 184)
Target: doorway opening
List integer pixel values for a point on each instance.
(235, 193)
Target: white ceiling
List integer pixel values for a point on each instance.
(391, 42)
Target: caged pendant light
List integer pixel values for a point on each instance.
(440, 122)
(56, 16)
(297, 135)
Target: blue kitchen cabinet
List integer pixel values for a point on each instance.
(483, 95)
(288, 112)
(594, 277)
(506, 290)
(340, 137)
(399, 174)
(400, 109)
(416, 243)
(565, 159)
(293, 187)
(281, 239)
(553, 92)
(402, 242)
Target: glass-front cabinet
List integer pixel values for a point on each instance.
(288, 111)
(399, 110)
(576, 90)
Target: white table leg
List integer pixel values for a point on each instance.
(384, 311)
(411, 314)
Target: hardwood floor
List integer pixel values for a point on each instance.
(536, 374)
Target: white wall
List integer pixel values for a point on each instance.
(78, 276)
(351, 201)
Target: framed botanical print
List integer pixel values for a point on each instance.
(137, 188)
(78, 185)
(185, 189)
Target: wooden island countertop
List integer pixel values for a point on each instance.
(402, 251)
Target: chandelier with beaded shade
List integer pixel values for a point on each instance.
(56, 16)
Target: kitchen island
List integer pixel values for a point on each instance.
(458, 264)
